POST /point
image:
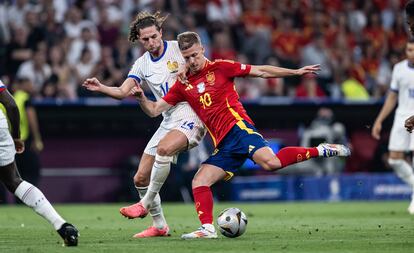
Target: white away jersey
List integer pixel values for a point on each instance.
(3, 119)
(402, 81)
(160, 74)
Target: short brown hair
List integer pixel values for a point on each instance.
(143, 20)
(187, 40)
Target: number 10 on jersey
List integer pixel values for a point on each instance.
(205, 100)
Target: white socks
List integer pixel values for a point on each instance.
(155, 209)
(34, 198)
(159, 174)
(150, 197)
(403, 170)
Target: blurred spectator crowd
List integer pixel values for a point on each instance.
(56, 44)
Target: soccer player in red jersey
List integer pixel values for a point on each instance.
(210, 91)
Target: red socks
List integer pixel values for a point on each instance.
(291, 155)
(203, 199)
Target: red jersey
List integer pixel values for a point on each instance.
(212, 95)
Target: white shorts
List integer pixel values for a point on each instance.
(7, 150)
(400, 139)
(192, 127)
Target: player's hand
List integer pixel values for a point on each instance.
(310, 69)
(92, 84)
(19, 145)
(137, 92)
(182, 74)
(409, 124)
(376, 130)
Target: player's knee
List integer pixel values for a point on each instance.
(12, 184)
(400, 167)
(198, 181)
(271, 164)
(164, 150)
(141, 180)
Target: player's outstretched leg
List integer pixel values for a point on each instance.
(34, 198)
(292, 155)
(330, 150)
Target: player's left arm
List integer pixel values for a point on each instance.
(151, 108)
(267, 71)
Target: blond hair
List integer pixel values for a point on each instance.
(143, 20)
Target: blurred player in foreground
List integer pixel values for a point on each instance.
(401, 91)
(180, 129)
(409, 14)
(9, 175)
(210, 91)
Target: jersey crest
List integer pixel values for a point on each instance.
(210, 77)
(172, 66)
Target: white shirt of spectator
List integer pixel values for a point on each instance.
(16, 15)
(60, 7)
(4, 26)
(160, 74)
(3, 119)
(402, 81)
(114, 14)
(27, 70)
(228, 11)
(84, 69)
(78, 45)
(74, 31)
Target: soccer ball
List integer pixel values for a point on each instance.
(232, 222)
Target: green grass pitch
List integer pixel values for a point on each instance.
(272, 227)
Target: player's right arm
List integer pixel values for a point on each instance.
(386, 109)
(151, 108)
(93, 84)
(14, 118)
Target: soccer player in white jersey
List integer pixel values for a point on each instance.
(409, 14)
(181, 129)
(401, 91)
(10, 144)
